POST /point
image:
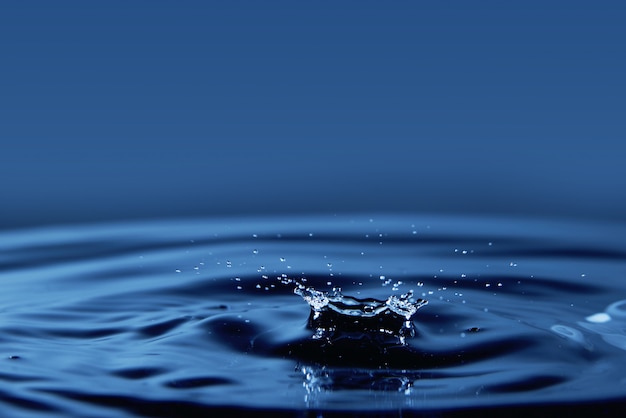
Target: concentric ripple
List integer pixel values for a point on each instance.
(323, 314)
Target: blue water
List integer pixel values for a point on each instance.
(199, 317)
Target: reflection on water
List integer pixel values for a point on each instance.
(142, 319)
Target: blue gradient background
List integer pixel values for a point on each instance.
(142, 109)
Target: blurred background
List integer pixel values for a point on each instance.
(148, 109)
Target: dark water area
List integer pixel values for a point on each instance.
(314, 316)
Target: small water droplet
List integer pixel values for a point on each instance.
(178, 270)
(255, 251)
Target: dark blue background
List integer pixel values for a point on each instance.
(140, 109)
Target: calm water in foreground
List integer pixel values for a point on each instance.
(196, 317)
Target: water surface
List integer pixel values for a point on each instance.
(195, 317)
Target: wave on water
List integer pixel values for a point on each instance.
(342, 314)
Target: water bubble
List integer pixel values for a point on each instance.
(255, 251)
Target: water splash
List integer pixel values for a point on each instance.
(335, 315)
